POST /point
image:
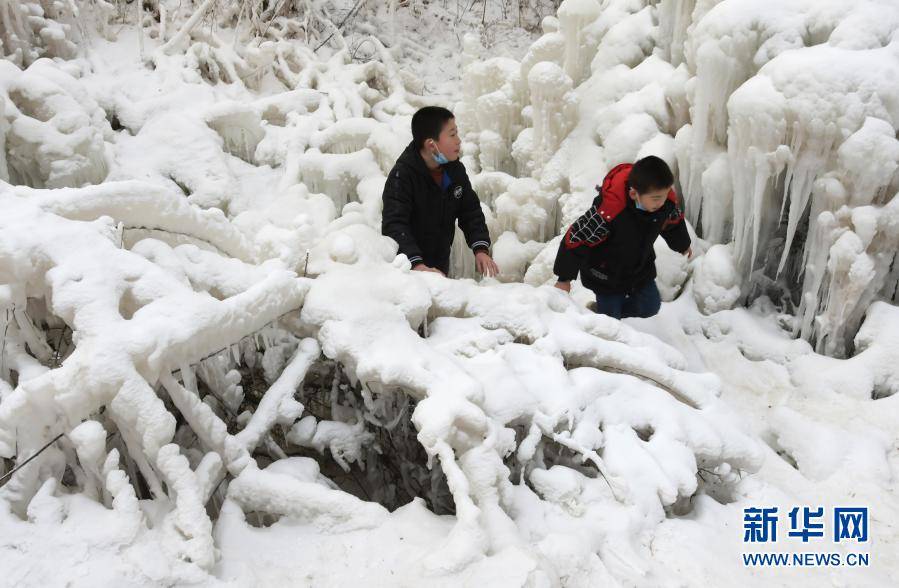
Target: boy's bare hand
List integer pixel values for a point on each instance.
(688, 253)
(564, 286)
(485, 264)
(420, 267)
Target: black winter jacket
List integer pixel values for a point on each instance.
(611, 245)
(421, 216)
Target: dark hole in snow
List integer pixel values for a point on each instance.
(714, 485)
(394, 468)
(261, 520)
(682, 507)
(881, 390)
(53, 343)
(709, 482)
(644, 433)
(113, 119)
(273, 115)
(772, 442)
(391, 467)
(816, 35)
(217, 294)
(68, 477)
(128, 465)
(547, 454)
(115, 123)
(209, 71)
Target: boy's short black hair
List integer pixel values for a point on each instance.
(428, 122)
(650, 173)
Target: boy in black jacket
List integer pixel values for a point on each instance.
(611, 245)
(427, 191)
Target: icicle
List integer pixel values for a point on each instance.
(188, 377)
(554, 107)
(574, 16)
(812, 146)
(674, 18)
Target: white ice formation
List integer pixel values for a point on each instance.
(195, 297)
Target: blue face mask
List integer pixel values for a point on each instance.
(440, 158)
(639, 206)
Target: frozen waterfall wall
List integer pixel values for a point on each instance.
(779, 118)
(792, 151)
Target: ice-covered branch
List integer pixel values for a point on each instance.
(183, 33)
(278, 403)
(142, 205)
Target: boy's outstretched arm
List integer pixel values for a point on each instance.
(396, 218)
(674, 231)
(589, 230)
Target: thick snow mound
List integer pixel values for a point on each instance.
(716, 283)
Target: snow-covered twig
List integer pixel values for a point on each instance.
(9, 474)
(172, 44)
(337, 29)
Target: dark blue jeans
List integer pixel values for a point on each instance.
(642, 303)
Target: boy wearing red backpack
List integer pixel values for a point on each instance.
(611, 245)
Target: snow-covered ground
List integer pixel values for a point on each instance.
(251, 388)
